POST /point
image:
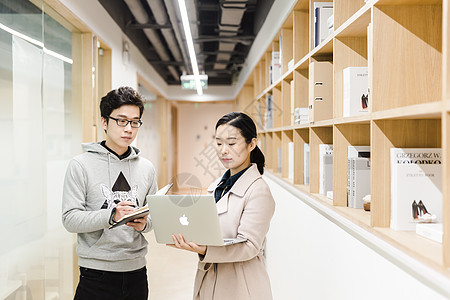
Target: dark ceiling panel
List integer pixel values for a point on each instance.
(210, 39)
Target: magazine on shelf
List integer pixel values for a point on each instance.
(325, 168)
(354, 152)
(360, 181)
(416, 186)
(355, 91)
(322, 11)
(140, 212)
(291, 160)
(276, 66)
(306, 163)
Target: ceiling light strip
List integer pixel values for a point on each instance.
(35, 42)
(190, 44)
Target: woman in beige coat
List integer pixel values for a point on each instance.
(245, 207)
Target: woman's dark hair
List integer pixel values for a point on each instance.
(116, 98)
(248, 130)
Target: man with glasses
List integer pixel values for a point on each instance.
(107, 182)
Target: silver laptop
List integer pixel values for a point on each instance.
(194, 216)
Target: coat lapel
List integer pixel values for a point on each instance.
(238, 189)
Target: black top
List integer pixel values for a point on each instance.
(226, 183)
(125, 155)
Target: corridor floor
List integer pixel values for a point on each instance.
(171, 271)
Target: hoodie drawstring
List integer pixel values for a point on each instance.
(109, 169)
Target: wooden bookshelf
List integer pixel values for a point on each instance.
(407, 54)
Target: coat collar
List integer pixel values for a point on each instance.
(239, 188)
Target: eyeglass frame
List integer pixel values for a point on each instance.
(128, 122)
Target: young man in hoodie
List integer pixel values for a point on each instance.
(102, 185)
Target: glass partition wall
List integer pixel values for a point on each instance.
(40, 126)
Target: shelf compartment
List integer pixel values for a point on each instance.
(324, 51)
(348, 52)
(386, 134)
(318, 135)
(287, 112)
(356, 25)
(287, 47)
(406, 40)
(300, 34)
(345, 9)
(277, 106)
(301, 136)
(276, 152)
(268, 137)
(345, 135)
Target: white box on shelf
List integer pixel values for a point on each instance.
(355, 91)
(416, 186)
(325, 168)
(322, 11)
(330, 195)
(432, 231)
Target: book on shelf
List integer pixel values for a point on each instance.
(320, 91)
(355, 91)
(139, 212)
(354, 152)
(330, 24)
(360, 180)
(325, 168)
(432, 231)
(280, 45)
(306, 163)
(268, 115)
(291, 160)
(369, 60)
(276, 66)
(416, 186)
(322, 11)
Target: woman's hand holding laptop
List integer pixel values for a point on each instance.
(180, 243)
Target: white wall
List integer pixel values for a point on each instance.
(196, 144)
(310, 257)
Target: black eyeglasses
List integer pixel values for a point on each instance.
(124, 122)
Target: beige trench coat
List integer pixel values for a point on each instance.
(238, 271)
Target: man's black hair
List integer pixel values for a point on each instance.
(122, 96)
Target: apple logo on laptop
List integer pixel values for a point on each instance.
(184, 220)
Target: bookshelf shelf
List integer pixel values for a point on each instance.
(405, 51)
(431, 110)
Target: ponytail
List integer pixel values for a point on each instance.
(257, 157)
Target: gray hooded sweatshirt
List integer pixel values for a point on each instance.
(95, 182)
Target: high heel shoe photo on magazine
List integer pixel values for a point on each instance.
(421, 214)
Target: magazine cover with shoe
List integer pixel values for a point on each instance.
(416, 187)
